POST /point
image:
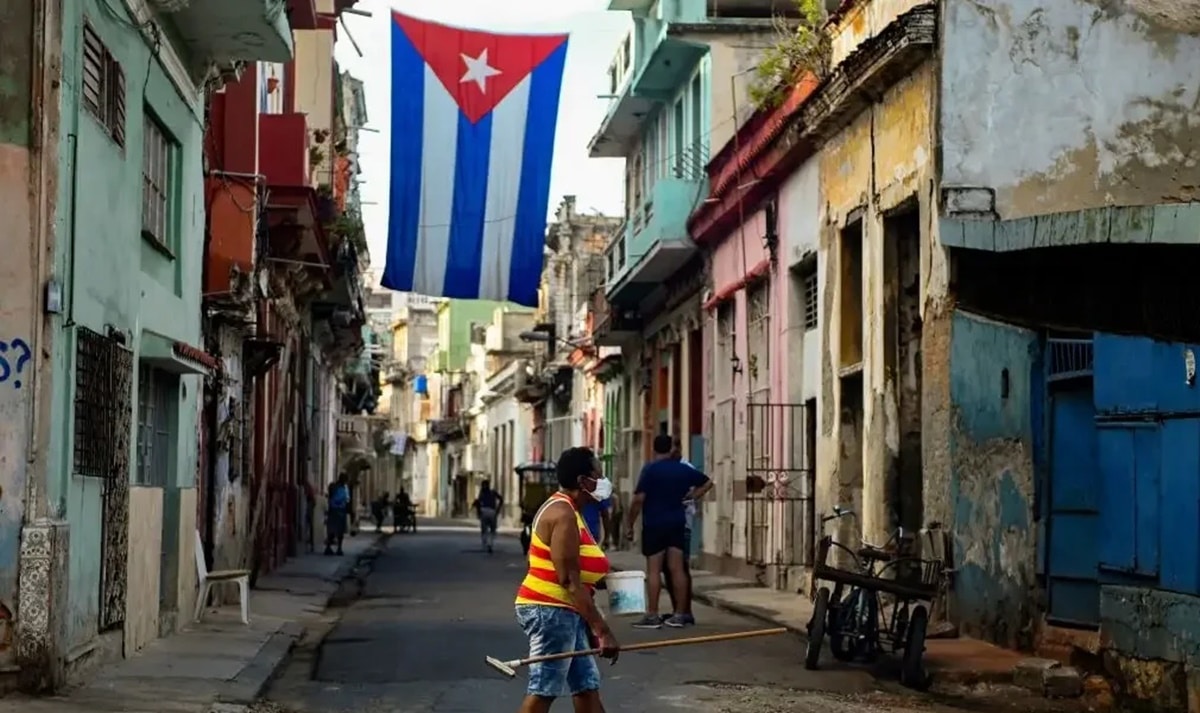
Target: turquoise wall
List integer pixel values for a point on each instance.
(113, 277)
(997, 392)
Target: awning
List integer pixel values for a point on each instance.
(175, 356)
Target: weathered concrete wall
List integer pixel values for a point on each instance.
(1151, 642)
(879, 164)
(19, 309)
(799, 227)
(231, 540)
(145, 558)
(1070, 105)
(993, 389)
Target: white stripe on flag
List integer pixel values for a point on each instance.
(504, 189)
(438, 147)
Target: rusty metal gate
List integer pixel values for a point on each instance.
(103, 427)
(780, 482)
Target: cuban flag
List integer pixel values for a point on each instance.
(473, 121)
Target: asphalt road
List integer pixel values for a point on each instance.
(436, 605)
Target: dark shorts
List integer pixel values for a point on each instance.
(656, 540)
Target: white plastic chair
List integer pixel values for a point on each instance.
(208, 579)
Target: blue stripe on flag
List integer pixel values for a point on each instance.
(529, 238)
(464, 255)
(408, 135)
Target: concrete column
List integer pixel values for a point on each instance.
(32, 37)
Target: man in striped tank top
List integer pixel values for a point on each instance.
(554, 603)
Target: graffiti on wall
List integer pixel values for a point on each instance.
(14, 355)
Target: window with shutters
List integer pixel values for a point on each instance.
(158, 169)
(758, 347)
(811, 305)
(103, 86)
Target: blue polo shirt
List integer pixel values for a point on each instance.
(665, 483)
(592, 513)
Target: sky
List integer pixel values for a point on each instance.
(595, 35)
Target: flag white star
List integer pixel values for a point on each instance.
(478, 70)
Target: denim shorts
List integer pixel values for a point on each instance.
(553, 630)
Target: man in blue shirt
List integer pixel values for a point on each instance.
(663, 489)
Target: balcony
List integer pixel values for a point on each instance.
(612, 327)
(662, 61)
(234, 223)
(233, 30)
(283, 154)
(655, 243)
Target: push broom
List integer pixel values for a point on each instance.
(509, 668)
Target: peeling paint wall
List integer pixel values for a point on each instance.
(881, 162)
(231, 476)
(1070, 105)
(19, 311)
(993, 386)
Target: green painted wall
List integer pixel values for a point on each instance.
(113, 277)
(455, 318)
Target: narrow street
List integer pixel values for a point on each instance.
(435, 606)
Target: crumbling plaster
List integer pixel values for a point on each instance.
(1070, 105)
(877, 164)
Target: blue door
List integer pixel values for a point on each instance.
(1072, 561)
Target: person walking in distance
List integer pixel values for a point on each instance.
(663, 488)
(487, 509)
(337, 514)
(554, 603)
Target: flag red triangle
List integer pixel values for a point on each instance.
(477, 68)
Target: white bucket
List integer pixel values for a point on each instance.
(626, 593)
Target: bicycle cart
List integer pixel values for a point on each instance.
(878, 605)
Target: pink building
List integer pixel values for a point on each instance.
(762, 352)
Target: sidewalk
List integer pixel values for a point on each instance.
(960, 661)
(219, 660)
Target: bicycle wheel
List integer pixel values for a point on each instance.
(912, 670)
(842, 639)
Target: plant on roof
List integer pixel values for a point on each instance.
(803, 47)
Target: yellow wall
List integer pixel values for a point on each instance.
(880, 162)
(314, 91)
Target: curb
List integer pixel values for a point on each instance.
(956, 677)
(252, 681)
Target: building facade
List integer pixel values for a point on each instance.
(680, 81)
(111, 400)
(957, 378)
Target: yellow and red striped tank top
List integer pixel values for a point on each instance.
(540, 585)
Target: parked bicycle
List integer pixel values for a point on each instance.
(853, 614)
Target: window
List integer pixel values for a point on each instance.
(157, 395)
(811, 305)
(157, 173)
(103, 85)
(758, 330)
(103, 405)
(679, 139)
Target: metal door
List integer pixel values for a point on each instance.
(1073, 552)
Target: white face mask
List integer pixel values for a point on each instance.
(603, 491)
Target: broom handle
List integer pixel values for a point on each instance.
(708, 639)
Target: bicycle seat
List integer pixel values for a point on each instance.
(874, 553)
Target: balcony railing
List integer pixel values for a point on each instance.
(283, 154)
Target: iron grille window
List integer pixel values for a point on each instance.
(103, 85)
(157, 165)
(157, 393)
(811, 306)
(103, 404)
